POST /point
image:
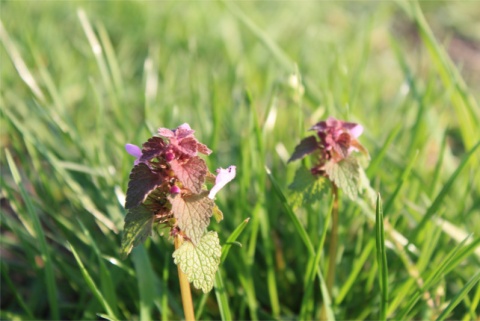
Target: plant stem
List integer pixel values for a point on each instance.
(185, 287)
(332, 249)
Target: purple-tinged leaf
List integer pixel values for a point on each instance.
(187, 146)
(191, 172)
(138, 226)
(165, 132)
(152, 148)
(183, 131)
(203, 149)
(307, 146)
(142, 182)
(193, 214)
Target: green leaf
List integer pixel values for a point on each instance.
(346, 175)
(192, 213)
(138, 226)
(200, 262)
(306, 188)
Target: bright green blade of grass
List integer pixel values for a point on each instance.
(381, 259)
(296, 223)
(466, 107)
(459, 296)
(107, 286)
(232, 238)
(403, 179)
(91, 284)
(145, 280)
(51, 285)
(450, 261)
(446, 189)
(222, 298)
(312, 267)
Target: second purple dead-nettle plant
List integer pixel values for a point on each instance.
(333, 158)
(168, 186)
(333, 161)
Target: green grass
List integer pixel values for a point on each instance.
(79, 79)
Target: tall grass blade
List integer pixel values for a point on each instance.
(381, 258)
(93, 287)
(459, 296)
(463, 101)
(145, 280)
(445, 190)
(52, 292)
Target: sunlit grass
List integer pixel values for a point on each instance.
(81, 79)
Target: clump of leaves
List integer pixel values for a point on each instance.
(332, 148)
(168, 186)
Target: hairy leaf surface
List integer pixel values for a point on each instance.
(190, 172)
(346, 175)
(138, 226)
(306, 188)
(200, 262)
(142, 182)
(193, 214)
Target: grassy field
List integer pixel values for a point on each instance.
(79, 79)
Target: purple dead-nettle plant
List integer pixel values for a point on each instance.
(168, 186)
(336, 163)
(334, 158)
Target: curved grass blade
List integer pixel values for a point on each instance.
(446, 188)
(91, 284)
(305, 238)
(460, 295)
(232, 238)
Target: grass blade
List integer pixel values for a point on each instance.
(40, 237)
(459, 296)
(446, 188)
(91, 284)
(381, 259)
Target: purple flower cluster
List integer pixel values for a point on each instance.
(168, 165)
(334, 142)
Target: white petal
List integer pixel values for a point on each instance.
(224, 176)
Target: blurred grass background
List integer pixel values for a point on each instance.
(79, 79)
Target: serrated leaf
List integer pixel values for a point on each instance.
(203, 149)
(346, 175)
(142, 182)
(200, 263)
(152, 148)
(187, 145)
(190, 172)
(306, 188)
(193, 214)
(138, 226)
(306, 146)
(217, 213)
